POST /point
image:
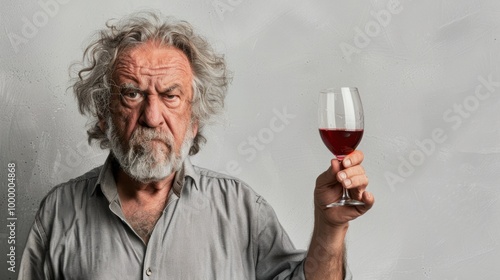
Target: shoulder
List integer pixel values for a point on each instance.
(210, 175)
(64, 201)
(227, 185)
(68, 195)
(76, 186)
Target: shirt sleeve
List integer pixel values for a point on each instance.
(35, 261)
(35, 251)
(277, 258)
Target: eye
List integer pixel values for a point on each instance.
(132, 95)
(172, 94)
(172, 100)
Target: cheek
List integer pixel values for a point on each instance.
(125, 122)
(179, 126)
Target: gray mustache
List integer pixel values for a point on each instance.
(142, 134)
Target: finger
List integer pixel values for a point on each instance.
(354, 158)
(359, 181)
(350, 172)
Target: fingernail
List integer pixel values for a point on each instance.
(347, 182)
(342, 175)
(347, 162)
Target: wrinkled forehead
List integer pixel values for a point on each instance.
(152, 59)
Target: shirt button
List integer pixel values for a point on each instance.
(149, 272)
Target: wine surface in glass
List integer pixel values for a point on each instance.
(341, 142)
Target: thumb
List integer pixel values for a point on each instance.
(368, 199)
(329, 178)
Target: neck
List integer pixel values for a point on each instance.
(130, 189)
(142, 203)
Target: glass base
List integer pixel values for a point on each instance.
(345, 202)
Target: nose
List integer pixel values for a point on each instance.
(151, 115)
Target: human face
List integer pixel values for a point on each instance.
(150, 125)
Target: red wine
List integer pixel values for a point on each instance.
(341, 142)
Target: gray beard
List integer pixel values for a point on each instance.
(144, 161)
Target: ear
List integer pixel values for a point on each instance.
(103, 125)
(194, 127)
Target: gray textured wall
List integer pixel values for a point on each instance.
(428, 72)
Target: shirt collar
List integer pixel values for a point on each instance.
(106, 180)
(187, 171)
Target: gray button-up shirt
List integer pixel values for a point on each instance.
(213, 227)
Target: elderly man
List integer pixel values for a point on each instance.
(150, 85)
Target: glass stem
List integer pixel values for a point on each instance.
(345, 194)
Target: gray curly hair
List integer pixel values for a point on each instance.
(92, 86)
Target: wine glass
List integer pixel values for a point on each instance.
(341, 127)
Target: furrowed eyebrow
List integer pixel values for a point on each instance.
(170, 89)
(129, 86)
